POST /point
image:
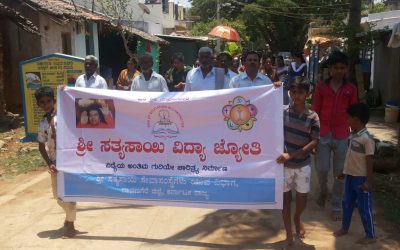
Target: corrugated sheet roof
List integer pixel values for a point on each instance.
(188, 38)
(144, 35)
(18, 19)
(65, 11)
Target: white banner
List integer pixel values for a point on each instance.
(214, 149)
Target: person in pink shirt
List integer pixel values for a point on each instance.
(331, 100)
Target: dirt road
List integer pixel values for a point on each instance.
(31, 219)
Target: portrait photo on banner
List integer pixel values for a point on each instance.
(95, 113)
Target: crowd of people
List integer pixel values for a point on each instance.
(261, 68)
(334, 128)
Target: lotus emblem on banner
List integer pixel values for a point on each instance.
(240, 114)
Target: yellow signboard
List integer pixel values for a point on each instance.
(51, 70)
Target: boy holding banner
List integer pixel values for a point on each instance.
(47, 137)
(301, 135)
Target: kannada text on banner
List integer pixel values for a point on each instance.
(214, 149)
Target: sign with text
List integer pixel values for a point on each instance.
(213, 149)
(51, 70)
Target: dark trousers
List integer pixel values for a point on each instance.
(354, 196)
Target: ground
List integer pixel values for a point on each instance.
(32, 219)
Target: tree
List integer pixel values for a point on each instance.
(267, 20)
(352, 39)
(373, 8)
(120, 12)
(283, 24)
(207, 9)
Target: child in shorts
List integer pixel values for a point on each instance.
(301, 135)
(47, 137)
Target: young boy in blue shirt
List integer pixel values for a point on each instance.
(47, 137)
(358, 171)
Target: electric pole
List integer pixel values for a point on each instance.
(218, 48)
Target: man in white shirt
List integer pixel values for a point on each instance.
(148, 80)
(91, 79)
(251, 77)
(203, 77)
(224, 60)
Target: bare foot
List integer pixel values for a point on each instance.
(336, 216)
(366, 241)
(70, 231)
(300, 231)
(340, 232)
(289, 241)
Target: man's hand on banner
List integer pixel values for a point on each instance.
(277, 84)
(62, 87)
(180, 85)
(283, 158)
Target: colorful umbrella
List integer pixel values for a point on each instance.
(225, 32)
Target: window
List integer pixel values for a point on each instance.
(66, 43)
(165, 7)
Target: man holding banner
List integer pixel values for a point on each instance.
(252, 76)
(203, 77)
(91, 79)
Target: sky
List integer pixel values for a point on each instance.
(184, 2)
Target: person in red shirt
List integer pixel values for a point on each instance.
(331, 100)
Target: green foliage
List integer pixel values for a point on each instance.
(207, 9)
(282, 24)
(202, 28)
(373, 8)
(232, 48)
(360, 42)
(22, 163)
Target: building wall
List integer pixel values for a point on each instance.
(155, 28)
(19, 45)
(157, 16)
(51, 41)
(387, 71)
(80, 43)
(94, 36)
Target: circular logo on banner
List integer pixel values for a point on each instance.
(239, 114)
(165, 122)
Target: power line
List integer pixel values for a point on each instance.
(304, 16)
(329, 6)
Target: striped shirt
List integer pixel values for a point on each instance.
(299, 130)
